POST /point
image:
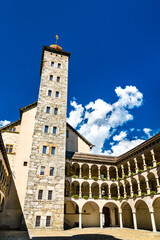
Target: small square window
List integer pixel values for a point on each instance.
(25, 164)
(46, 129)
(38, 220)
(42, 170)
(49, 92)
(57, 94)
(58, 79)
(14, 129)
(9, 148)
(55, 111)
(48, 110)
(51, 171)
(44, 149)
(50, 195)
(52, 64)
(48, 221)
(40, 194)
(54, 130)
(51, 77)
(53, 150)
(59, 65)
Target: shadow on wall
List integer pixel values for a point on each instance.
(80, 237)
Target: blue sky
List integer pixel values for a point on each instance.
(113, 44)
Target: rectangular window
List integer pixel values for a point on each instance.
(44, 149)
(59, 65)
(57, 94)
(38, 221)
(51, 171)
(48, 221)
(67, 134)
(42, 170)
(58, 79)
(48, 110)
(55, 111)
(40, 194)
(53, 150)
(49, 92)
(51, 77)
(54, 130)
(46, 129)
(52, 64)
(9, 148)
(50, 195)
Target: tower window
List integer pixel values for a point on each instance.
(59, 65)
(54, 130)
(48, 221)
(57, 94)
(50, 195)
(40, 194)
(67, 134)
(44, 149)
(48, 110)
(9, 148)
(51, 171)
(58, 79)
(52, 64)
(42, 170)
(55, 111)
(51, 77)
(46, 129)
(38, 221)
(53, 150)
(25, 164)
(49, 92)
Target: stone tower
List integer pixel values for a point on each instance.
(44, 200)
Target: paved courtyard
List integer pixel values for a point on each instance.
(87, 234)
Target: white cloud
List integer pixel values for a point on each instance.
(123, 146)
(120, 137)
(4, 122)
(147, 132)
(98, 120)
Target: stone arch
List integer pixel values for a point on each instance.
(67, 188)
(75, 188)
(119, 171)
(103, 171)
(127, 187)
(71, 214)
(126, 172)
(156, 207)
(95, 189)
(143, 215)
(104, 190)
(143, 185)
(85, 189)
(85, 170)
(148, 158)
(90, 214)
(110, 211)
(67, 169)
(156, 150)
(127, 217)
(75, 169)
(134, 186)
(152, 182)
(112, 173)
(121, 189)
(94, 171)
(132, 165)
(139, 162)
(114, 190)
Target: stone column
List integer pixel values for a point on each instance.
(117, 174)
(99, 173)
(136, 165)
(125, 194)
(109, 192)
(80, 172)
(80, 190)
(139, 189)
(90, 172)
(153, 158)
(147, 187)
(134, 220)
(80, 220)
(120, 220)
(129, 169)
(118, 191)
(90, 192)
(144, 162)
(122, 171)
(100, 194)
(158, 186)
(153, 222)
(131, 189)
(101, 220)
(108, 177)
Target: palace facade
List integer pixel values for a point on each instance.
(60, 184)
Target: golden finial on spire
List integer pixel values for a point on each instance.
(56, 46)
(56, 38)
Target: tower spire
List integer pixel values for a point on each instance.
(55, 46)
